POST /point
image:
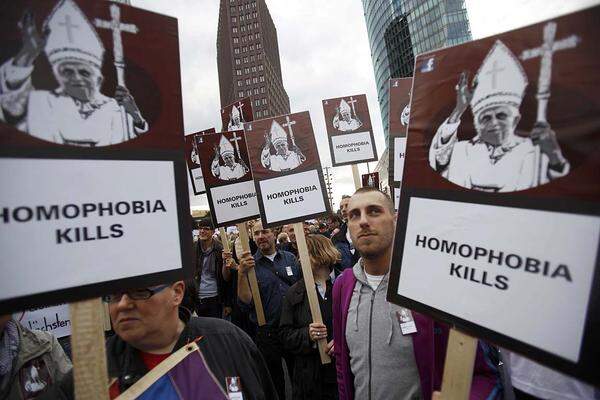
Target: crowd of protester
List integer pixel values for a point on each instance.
(379, 350)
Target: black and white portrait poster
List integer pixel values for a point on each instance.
(229, 184)
(287, 171)
(499, 225)
(92, 163)
(371, 180)
(235, 115)
(349, 130)
(398, 122)
(193, 160)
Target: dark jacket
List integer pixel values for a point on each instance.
(344, 247)
(308, 370)
(227, 350)
(223, 289)
(39, 364)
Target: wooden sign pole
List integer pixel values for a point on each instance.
(224, 239)
(356, 176)
(90, 374)
(311, 291)
(245, 242)
(458, 367)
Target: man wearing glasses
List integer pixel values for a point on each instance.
(150, 325)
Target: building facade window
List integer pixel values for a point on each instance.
(240, 82)
(241, 94)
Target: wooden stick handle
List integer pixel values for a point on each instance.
(245, 242)
(356, 176)
(224, 239)
(311, 291)
(458, 368)
(90, 374)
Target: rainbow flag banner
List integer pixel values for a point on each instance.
(182, 376)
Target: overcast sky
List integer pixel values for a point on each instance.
(324, 52)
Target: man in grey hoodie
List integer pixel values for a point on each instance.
(381, 356)
(384, 351)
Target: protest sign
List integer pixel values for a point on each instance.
(371, 179)
(55, 320)
(235, 115)
(226, 170)
(499, 224)
(286, 169)
(349, 130)
(398, 123)
(193, 160)
(93, 174)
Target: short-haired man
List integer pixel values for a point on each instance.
(150, 326)
(290, 246)
(376, 358)
(276, 270)
(213, 290)
(31, 361)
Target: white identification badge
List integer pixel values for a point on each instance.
(234, 388)
(289, 271)
(407, 323)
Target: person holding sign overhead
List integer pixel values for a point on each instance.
(276, 271)
(311, 380)
(403, 354)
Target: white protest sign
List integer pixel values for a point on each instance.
(55, 320)
(85, 234)
(503, 262)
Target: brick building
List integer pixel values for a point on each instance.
(248, 57)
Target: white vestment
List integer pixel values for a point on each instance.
(236, 171)
(280, 163)
(56, 117)
(348, 126)
(473, 164)
(234, 127)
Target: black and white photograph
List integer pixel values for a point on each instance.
(227, 163)
(346, 119)
(234, 115)
(280, 152)
(501, 156)
(77, 112)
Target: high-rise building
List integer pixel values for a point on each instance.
(248, 57)
(398, 30)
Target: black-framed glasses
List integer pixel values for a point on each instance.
(134, 294)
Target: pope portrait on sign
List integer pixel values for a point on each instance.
(344, 119)
(76, 112)
(285, 158)
(230, 169)
(496, 159)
